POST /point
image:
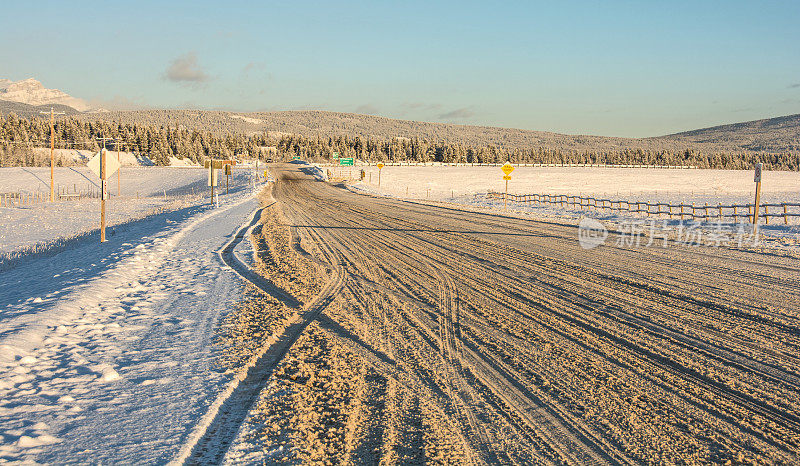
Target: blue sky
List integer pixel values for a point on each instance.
(615, 68)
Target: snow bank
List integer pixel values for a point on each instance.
(184, 162)
(82, 156)
(99, 345)
(312, 169)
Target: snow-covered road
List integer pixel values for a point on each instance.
(106, 351)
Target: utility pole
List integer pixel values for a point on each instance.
(52, 154)
(119, 186)
(117, 145)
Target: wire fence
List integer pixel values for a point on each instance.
(62, 193)
(734, 212)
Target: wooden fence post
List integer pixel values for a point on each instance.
(785, 217)
(766, 214)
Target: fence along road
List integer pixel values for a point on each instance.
(735, 212)
(541, 350)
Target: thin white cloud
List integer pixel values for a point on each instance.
(457, 114)
(367, 109)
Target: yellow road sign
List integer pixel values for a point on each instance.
(379, 165)
(507, 177)
(507, 168)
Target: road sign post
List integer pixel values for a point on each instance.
(380, 169)
(212, 179)
(757, 179)
(227, 175)
(347, 162)
(213, 166)
(103, 167)
(507, 169)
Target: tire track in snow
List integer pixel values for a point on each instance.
(219, 427)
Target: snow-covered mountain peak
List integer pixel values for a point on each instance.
(32, 92)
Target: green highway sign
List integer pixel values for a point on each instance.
(296, 157)
(335, 156)
(346, 162)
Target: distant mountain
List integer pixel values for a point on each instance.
(772, 135)
(32, 92)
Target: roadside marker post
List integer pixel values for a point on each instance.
(103, 175)
(507, 169)
(380, 169)
(756, 206)
(227, 176)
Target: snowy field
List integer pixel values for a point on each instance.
(146, 181)
(468, 186)
(712, 186)
(144, 191)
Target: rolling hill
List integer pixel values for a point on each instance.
(771, 135)
(28, 97)
(29, 111)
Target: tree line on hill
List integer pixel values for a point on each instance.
(19, 136)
